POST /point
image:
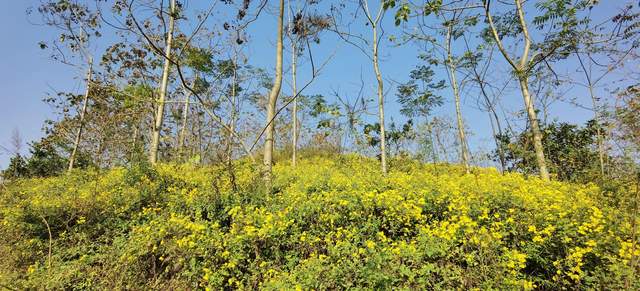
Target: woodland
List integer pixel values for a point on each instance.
(313, 145)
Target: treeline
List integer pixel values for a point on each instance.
(172, 81)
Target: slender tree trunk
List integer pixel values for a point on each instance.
(535, 129)
(495, 139)
(441, 145)
(434, 151)
(200, 133)
(521, 70)
(492, 115)
(134, 143)
(376, 68)
(599, 135)
(157, 128)
(183, 127)
(100, 151)
(528, 102)
(232, 123)
(492, 112)
(464, 151)
(273, 98)
(83, 112)
(461, 135)
(294, 113)
(596, 112)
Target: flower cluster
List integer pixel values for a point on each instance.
(325, 224)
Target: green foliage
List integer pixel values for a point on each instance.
(627, 115)
(76, 21)
(570, 151)
(402, 14)
(44, 161)
(17, 168)
(324, 112)
(327, 224)
(629, 22)
(396, 137)
(418, 97)
(200, 60)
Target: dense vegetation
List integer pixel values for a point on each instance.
(509, 158)
(327, 224)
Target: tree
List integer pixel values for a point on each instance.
(521, 70)
(273, 97)
(17, 168)
(375, 23)
(627, 116)
(78, 24)
(452, 67)
(418, 98)
(375, 43)
(302, 27)
(155, 141)
(569, 150)
(561, 19)
(596, 44)
(479, 72)
(452, 23)
(294, 38)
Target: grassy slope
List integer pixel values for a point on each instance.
(328, 224)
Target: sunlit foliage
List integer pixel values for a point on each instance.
(330, 224)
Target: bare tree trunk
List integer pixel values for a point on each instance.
(376, 68)
(596, 112)
(437, 133)
(492, 112)
(183, 127)
(273, 98)
(134, 143)
(434, 151)
(232, 123)
(600, 136)
(200, 141)
(464, 151)
(157, 128)
(535, 129)
(493, 115)
(495, 139)
(294, 113)
(85, 102)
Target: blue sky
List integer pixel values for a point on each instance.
(27, 74)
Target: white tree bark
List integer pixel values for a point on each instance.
(522, 71)
(157, 128)
(451, 66)
(376, 68)
(273, 98)
(294, 111)
(83, 112)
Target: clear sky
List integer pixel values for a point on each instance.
(27, 74)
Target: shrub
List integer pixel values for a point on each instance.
(327, 224)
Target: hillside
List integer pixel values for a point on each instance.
(328, 224)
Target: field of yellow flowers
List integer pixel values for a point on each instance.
(327, 224)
